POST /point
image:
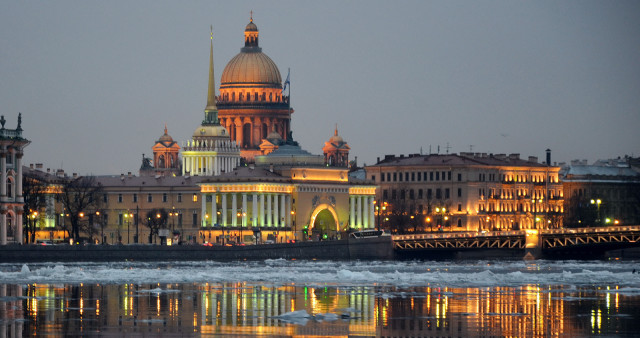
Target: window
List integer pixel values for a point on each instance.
(180, 219)
(135, 198)
(411, 195)
(373, 177)
(438, 193)
(446, 193)
(393, 194)
(459, 207)
(400, 177)
(459, 223)
(195, 197)
(195, 218)
(459, 177)
(149, 198)
(381, 177)
(120, 219)
(164, 197)
(10, 188)
(431, 176)
(406, 177)
(395, 177)
(459, 192)
(419, 194)
(402, 194)
(429, 194)
(179, 197)
(449, 176)
(419, 176)
(9, 158)
(105, 198)
(437, 176)
(119, 198)
(385, 194)
(388, 177)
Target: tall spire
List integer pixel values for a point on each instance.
(211, 110)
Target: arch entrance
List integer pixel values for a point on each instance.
(324, 222)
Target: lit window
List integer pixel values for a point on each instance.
(195, 197)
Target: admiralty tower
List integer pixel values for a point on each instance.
(251, 104)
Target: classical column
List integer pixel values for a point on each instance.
(372, 218)
(234, 209)
(239, 131)
(18, 235)
(352, 212)
(214, 209)
(254, 207)
(359, 212)
(365, 212)
(223, 206)
(203, 216)
(283, 206)
(288, 211)
(3, 227)
(276, 214)
(269, 218)
(244, 210)
(3, 177)
(261, 214)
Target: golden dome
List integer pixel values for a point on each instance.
(165, 138)
(251, 66)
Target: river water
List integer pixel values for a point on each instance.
(280, 298)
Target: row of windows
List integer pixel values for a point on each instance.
(251, 97)
(427, 193)
(123, 220)
(512, 193)
(418, 176)
(165, 198)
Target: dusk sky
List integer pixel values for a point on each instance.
(97, 81)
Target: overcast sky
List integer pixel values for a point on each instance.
(96, 81)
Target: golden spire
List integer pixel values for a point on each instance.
(211, 92)
(336, 132)
(165, 128)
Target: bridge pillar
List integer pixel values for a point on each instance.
(533, 244)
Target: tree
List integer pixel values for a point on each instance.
(33, 192)
(81, 197)
(156, 219)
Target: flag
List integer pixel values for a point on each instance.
(286, 82)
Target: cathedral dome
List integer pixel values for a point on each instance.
(166, 138)
(251, 66)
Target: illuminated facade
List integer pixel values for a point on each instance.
(469, 191)
(12, 146)
(288, 194)
(251, 102)
(211, 151)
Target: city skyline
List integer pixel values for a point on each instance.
(96, 83)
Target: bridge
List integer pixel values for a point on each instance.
(552, 243)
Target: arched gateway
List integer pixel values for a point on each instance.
(324, 222)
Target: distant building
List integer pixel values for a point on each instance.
(12, 146)
(469, 191)
(166, 161)
(252, 104)
(604, 193)
(336, 151)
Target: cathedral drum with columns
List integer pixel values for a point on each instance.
(251, 103)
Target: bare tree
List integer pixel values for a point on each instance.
(156, 219)
(81, 197)
(33, 192)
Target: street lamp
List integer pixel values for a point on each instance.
(443, 218)
(597, 202)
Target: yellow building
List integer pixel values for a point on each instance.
(469, 191)
(288, 194)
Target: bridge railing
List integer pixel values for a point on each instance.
(453, 235)
(568, 231)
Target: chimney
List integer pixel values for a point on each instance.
(75, 175)
(60, 173)
(533, 159)
(122, 176)
(129, 174)
(31, 166)
(39, 166)
(514, 156)
(548, 157)
(48, 170)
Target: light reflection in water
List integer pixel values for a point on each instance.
(241, 308)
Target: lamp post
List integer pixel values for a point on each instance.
(443, 218)
(597, 202)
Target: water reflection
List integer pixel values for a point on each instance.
(241, 308)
